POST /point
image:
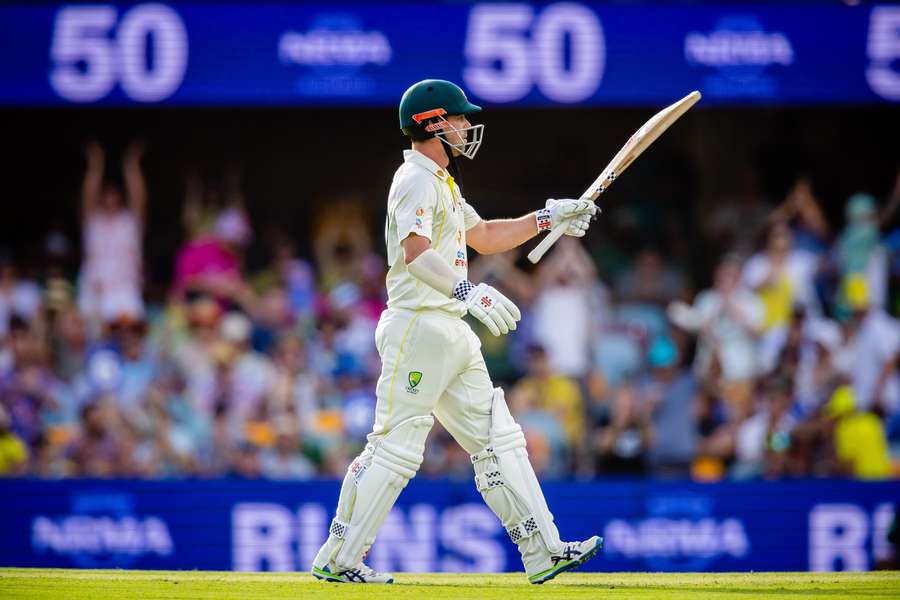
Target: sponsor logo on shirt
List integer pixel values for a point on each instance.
(460, 259)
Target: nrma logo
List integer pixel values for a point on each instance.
(101, 531)
(335, 40)
(741, 50)
(678, 534)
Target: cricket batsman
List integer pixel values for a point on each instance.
(431, 359)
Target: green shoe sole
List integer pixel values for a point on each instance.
(562, 567)
(325, 575)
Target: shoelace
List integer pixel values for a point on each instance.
(568, 554)
(353, 575)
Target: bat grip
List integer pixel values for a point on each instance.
(557, 232)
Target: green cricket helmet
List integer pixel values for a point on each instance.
(423, 111)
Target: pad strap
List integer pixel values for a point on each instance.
(490, 479)
(527, 528)
(338, 529)
(483, 455)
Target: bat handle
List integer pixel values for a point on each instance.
(557, 232)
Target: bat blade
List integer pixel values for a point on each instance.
(634, 147)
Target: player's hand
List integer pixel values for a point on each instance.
(579, 211)
(496, 311)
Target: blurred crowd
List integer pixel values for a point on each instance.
(785, 366)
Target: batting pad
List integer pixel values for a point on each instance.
(506, 480)
(371, 486)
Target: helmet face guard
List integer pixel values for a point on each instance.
(434, 122)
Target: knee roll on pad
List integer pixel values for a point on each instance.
(374, 481)
(504, 476)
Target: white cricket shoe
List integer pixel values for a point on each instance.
(360, 574)
(573, 555)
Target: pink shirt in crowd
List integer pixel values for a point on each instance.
(205, 257)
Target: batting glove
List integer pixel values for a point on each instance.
(496, 311)
(578, 213)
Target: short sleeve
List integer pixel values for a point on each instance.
(470, 217)
(414, 212)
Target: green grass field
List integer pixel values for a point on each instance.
(104, 585)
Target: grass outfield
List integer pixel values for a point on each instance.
(103, 585)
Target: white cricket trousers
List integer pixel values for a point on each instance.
(432, 364)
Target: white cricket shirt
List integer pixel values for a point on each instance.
(424, 200)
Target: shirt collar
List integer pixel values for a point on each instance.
(417, 158)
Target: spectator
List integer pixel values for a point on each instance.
(650, 281)
(246, 463)
(553, 393)
(565, 308)
(99, 449)
(30, 390)
(801, 210)
(622, 445)
(807, 360)
(69, 339)
(858, 251)
(213, 264)
(727, 318)
(782, 277)
(869, 357)
(857, 437)
(669, 393)
(13, 452)
(18, 297)
(285, 460)
(295, 387)
(761, 441)
(136, 361)
(111, 271)
(250, 374)
(215, 452)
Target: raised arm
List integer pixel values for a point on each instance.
(135, 186)
(809, 210)
(500, 235)
(93, 179)
(800, 202)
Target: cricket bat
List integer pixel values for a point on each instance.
(636, 144)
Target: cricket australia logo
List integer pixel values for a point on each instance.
(413, 378)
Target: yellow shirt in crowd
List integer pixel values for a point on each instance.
(859, 439)
(559, 395)
(12, 453)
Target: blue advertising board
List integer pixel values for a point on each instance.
(511, 53)
(243, 525)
